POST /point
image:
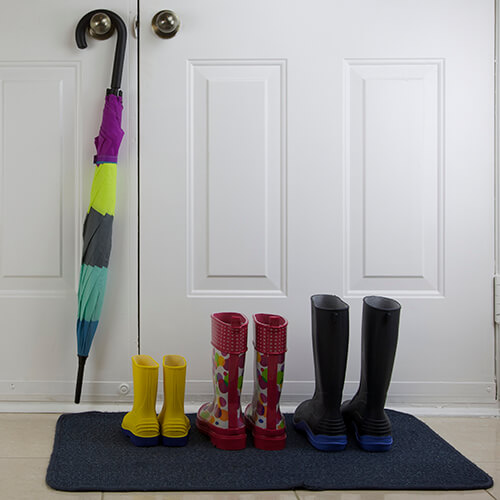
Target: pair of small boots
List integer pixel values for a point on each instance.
(323, 418)
(222, 419)
(171, 426)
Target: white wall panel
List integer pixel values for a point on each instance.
(393, 152)
(37, 165)
(236, 188)
(236, 223)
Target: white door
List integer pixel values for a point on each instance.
(291, 148)
(52, 96)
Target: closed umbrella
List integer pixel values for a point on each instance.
(97, 228)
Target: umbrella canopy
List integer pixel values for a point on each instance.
(98, 225)
(97, 229)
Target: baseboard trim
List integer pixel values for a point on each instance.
(473, 410)
(419, 398)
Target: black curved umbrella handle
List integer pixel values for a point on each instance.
(121, 43)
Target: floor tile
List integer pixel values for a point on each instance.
(394, 495)
(27, 441)
(476, 438)
(493, 469)
(206, 495)
(26, 435)
(24, 479)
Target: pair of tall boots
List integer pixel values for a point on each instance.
(141, 424)
(323, 418)
(222, 419)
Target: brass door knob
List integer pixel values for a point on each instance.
(166, 23)
(100, 26)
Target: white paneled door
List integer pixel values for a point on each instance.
(291, 148)
(286, 148)
(51, 100)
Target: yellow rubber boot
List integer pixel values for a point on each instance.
(141, 424)
(174, 424)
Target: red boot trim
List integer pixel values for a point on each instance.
(266, 439)
(224, 439)
(229, 332)
(270, 333)
(233, 398)
(272, 391)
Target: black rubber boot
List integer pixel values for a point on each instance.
(320, 416)
(378, 348)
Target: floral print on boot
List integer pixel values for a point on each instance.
(263, 416)
(222, 419)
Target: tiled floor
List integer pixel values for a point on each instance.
(26, 444)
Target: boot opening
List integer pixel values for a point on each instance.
(174, 360)
(232, 319)
(330, 302)
(144, 360)
(270, 319)
(382, 303)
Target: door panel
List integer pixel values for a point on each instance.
(393, 121)
(52, 96)
(345, 149)
(236, 194)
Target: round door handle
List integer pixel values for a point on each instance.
(166, 23)
(100, 26)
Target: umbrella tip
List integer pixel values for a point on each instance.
(79, 378)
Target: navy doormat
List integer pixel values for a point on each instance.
(91, 454)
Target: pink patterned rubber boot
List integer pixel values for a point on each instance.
(263, 416)
(222, 419)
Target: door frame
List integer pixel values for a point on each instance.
(497, 188)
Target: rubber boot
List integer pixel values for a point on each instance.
(263, 416)
(320, 416)
(174, 425)
(378, 349)
(222, 419)
(141, 424)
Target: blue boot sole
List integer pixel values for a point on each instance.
(373, 443)
(168, 441)
(141, 441)
(322, 442)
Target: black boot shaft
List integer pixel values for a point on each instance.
(330, 337)
(378, 349)
(320, 416)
